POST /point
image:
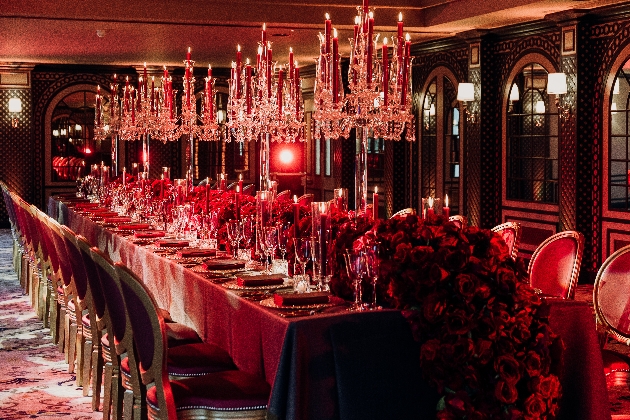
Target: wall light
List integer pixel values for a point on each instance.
(557, 85)
(15, 107)
(465, 94)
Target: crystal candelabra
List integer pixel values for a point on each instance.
(379, 100)
(265, 103)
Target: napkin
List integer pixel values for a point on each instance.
(104, 214)
(117, 219)
(292, 299)
(100, 210)
(133, 226)
(150, 234)
(260, 280)
(173, 243)
(196, 252)
(222, 264)
(82, 205)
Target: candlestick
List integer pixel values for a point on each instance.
(124, 177)
(240, 183)
(375, 204)
(370, 48)
(335, 60)
(237, 72)
(430, 211)
(279, 95)
(237, 203)
(291, 65)
(327, 27)
(162, 188)
(296, 217)
(207, 191)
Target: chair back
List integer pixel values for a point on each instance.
(149, 336)
(305, 200)
(404, 212)
(249, 189)
(555, 265)
(459, 220)
(79, 274)
(511, 233)
(94, 284)
(284, 195)
(612, 307)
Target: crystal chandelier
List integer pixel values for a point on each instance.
(379, 100)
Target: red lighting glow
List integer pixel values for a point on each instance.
(88, 150)
(286, 156)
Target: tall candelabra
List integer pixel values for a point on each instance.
(265, 103)
(147, 112)
(379, 100)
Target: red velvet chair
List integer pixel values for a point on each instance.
(511, 233)
(555, 265)
(612, 312)
(459, 220)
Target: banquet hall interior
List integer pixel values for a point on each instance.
(447, 116)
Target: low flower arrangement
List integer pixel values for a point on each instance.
(486, 344)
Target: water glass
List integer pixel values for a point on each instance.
(356, 268)
(234, 236)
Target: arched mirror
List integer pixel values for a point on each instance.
(70, 143)
(532, 139)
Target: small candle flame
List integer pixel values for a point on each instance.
(238, 47)
(240, 177)
(385, 41)
(430, 201)
(327, 16)
(407, 37)
(375, 190)
(400, 17)
(238, 189)
(334, 32)
(446, 200)
(357, 20)
(295, 199)
(264, 26)
(290, 49)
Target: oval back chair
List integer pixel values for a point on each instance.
(511, 233)
(555, 265)
(404, 212)
(459, 220)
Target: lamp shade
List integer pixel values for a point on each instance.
(15, 105)
(514, 93)
(556, 83)
(466, 92)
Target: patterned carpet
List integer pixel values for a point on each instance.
(34, 383)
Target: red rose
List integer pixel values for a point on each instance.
(437, 273)
(429, 350)
(455, 261)
(549, 386)
(534, 407)
(465, 286)
(483, 351)
(419, 254)
(402, 253)
(505, 392)
(533, 364)
(508, 368)
(507, 280)
(520, 332)
(463, 350)
(433, 308)
(458, 322)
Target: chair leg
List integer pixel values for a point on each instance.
(46, 304)
(78, 356)
(41, 297)
(107, 390)
(86, 370)
(54, 318)
(128, 403)
(72, 347)
(61, 329)
(97, 376)
(24, 274)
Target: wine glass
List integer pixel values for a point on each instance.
(283, 237)
(234, 236)
(302, 252)
(372, 254)
(248, 229)
(356, 268)
(271, 243)
(316, 257)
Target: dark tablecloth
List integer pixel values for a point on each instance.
(334, 365)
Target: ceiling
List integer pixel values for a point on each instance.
(158, 32)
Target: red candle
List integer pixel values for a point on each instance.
(146, 80)
(403, 90)
(385, 72)
(430, 211)
(161, 187)
(340, 200)
(223, 183)
(370, 49)
(357, 20)
(335, 75)
(375, 204)
(327, 29)
(297, 90)
(296, 217)
(133, 108)
(238, 72)
(399, 39)
(248, 87)
(152, 94)
(291, 65)
(240, 183)
(207, 195)
(446, 211)
(237, 203)
(269, 70)
(279, 96)
(98, 105)
(258, 59)
(366, 5)
(324, 246)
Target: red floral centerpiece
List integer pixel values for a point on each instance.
(486, 344)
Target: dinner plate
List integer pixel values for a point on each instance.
(269, 303)
(233, 285)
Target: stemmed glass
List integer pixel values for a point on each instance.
(248, 229)
(316, 257)
(283, 237)
(372, 265)
(302, 252)
(356, 268)
(271, 243)
(234, 236)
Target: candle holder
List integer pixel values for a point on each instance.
(341, 199)
(321, 242)
(166, 171)
(263, 218)
(430, 206)
(180, 191)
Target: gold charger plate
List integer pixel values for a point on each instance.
(233, 285)
(269, 303)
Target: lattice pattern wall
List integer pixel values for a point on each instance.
(16, 148)
(568, 153)
(472, 168)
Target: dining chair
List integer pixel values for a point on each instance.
(459, 220)
(249, 189)
(403, 212)
(511, 233)
(555, 264)
(305, 199)
(225, 394)
(15, 234)
(284, 195)
(612, 312)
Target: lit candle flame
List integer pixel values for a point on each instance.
(430, 201)
(357, 20)
(371, 15)
(295, 199)
(240, 177)
(407, 37)
(334, 32)
(327, 16)
(375, 190)
(264, 26)
(340, 192)
(400, 17)
(238, 48)
(385, 41)
(290, 49)
(446, 200)
(260, 49)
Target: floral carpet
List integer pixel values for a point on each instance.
(34, 382)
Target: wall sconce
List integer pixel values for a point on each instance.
(515, 96)
(557, 85)
(15, 107)
(465, 94)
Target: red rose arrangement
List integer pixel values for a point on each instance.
(486, 344)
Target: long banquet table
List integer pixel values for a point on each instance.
(333, 365)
